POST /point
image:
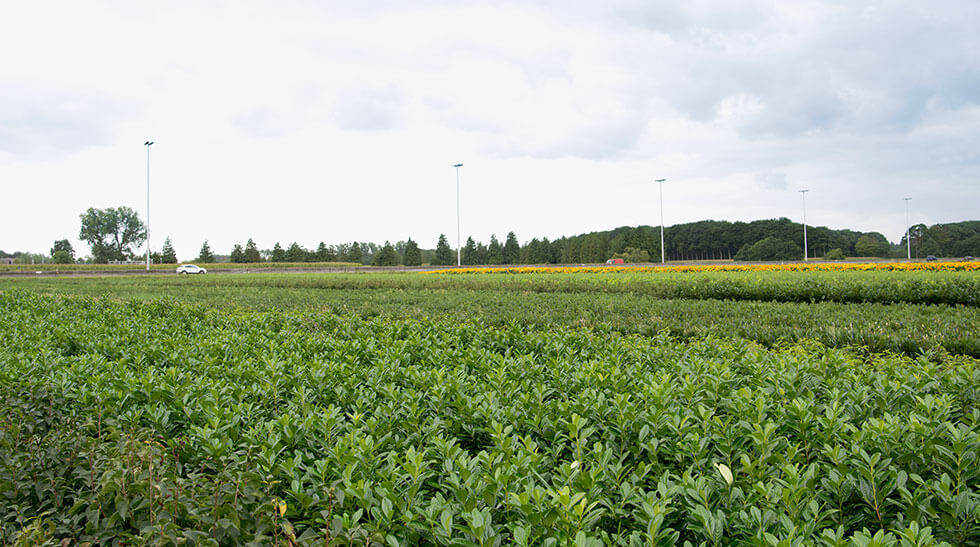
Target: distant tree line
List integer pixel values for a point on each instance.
(115, 233)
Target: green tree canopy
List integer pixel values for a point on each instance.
(112, 233)
(324, 253)
(63, 245)
(354, 253)
(252, 254)
(205, 256)
(770, 248)
(295, 253)
(387, 256)
(870, 245)
(238, 254)
(470, 256)
(444, 254)
(413, 256)
(495, 252)
(512, 249)
(278, 254)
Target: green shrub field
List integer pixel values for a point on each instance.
(403, 409)
(687, 305)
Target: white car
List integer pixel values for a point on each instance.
(190, 269)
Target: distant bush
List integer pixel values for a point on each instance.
(770, 248)
(834, 254)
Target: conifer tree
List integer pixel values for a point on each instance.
(252, 254)
(168, 256)
(413, 256)
(470, 256)
(278, 254)
(387, 256)
(295, 253)
(354, 254)
(444, 254)
(237, 254)
(206, 256)
(323, 253)
(495, 253)
(512, 249)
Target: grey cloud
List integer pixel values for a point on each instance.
(369, 108)
(771, 180)
(36, 122)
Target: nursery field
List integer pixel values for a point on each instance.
(711, 408)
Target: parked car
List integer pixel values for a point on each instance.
(615, 261)
(967, 259)
(190, 269)
(930, 258)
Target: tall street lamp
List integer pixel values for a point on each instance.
(147, 144)
(908, 240)
(663, 255)
(804, 224)
(458, 248)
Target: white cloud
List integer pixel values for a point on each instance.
(335, 121)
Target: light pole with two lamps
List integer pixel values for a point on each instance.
(908, 228)
(663, 254)
(805, 253)
(458, 247)
(148, 144)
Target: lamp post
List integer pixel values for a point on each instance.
(663, 254)
(458, 247)
(147, 144)
(908, 228)
(804, 224)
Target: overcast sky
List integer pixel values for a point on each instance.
(338, 121)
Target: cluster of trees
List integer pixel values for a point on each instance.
(954, 239)
(114, 233)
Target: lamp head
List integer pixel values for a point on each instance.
(147, 143)
(457, 165)
(660, 180)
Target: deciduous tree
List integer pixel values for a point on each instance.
(112, 233)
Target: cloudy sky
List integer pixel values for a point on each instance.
(335, 121)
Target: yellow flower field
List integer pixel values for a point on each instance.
(792, 267)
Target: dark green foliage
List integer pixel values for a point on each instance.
(834, 254)
(872, 245)
(325, 254)
(296, 253)
(63, 246)
(205, 256)
(470, 255)
(387, 256)
(413, 256)
(511, 252)
(354, 253)
(238, 254)
(444, 254)
(770, 249)
(945, 240)
(62, 257)
(632, 255)
(148, 423)
(278, 254)
(168, 255)
(112, 233)
(252, 254)
(495, 252)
